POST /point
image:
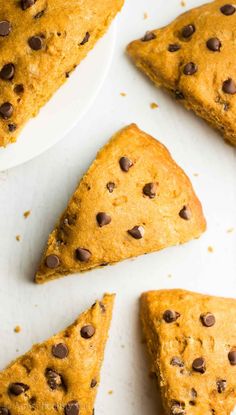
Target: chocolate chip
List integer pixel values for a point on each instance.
(137, 232)
(190, 68)
(60, 350)
(227, 9)
(178, 94)
(193, 393)
(232, 357)
(19, 89)
(35, 42)
(71, 408)
(177, 361)
(4, 411)
(85, 39)
(12, 127)
(39, 14)
(208, 319)
(229, 86)
(185, 213)
(177, 408)
(174, 47)
(125, 164)
(5, 28)
(87, 331)
(7, 72)
(18, 388)
(214, 44)
(150, 190)
(52, 261)
(25, 4)
(82, 254)
(103, 219)
(148, 36)
(170, 316)
(221, 385)
(93, 383)
(188, 31)
(111, 186)
(199, 365)
(53, 379)
(6, 110)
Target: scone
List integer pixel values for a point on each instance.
(61, 375)
(134, 199)
(194, 59)
(191, 339)
(41, 42)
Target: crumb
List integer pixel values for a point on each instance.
(122, 346)
(36, 305)
(183, 3)
(123, 94)
(17, 329)
(110, 392)
(145, 15)
(18, 238)
(17, 350)
(196, 174)
(210, 249)
(230, 230)
(153, 105)
(169, 276)
(26, 214)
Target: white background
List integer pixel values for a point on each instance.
(45, 184)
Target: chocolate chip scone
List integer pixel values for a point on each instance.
(61, 375)
(191, 339)
(134, 199)
(41, 42)
(194, 59)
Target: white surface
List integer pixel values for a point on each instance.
(44, 186)
(65, 108)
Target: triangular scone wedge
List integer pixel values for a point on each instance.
(192, 58)
(134, 199)
(61, 375)
(191, 339)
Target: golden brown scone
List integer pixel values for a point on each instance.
(134, 199)
(61, 375)
(194, 59)
(191, 339)
(41, 42)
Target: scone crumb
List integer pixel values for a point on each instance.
(210, 249)
(169, 276)
(145, 15)
(110, 392)
(17, 329)
(195, 174)
(230, 230)
(183, 3)
(18, 238)
(123, 94)
(26, 214)
(154, 105)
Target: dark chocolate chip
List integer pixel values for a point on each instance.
(232, 357)
(137, 232)
(85, 39)
(71, 408)
(25, 4)
(174, 47)
(54, 380)
(125, 164)
(4, 411)
(60, 350)
(190, 68)
(148, 36)
(221, 385)
(193, 393)
(111, 186)
(6, 110)
(170, 316)
(52, 261)
(93, 383)
(18, 388)
(229, 86)
(227, 9)
(39, 14)
(177, 361)
(35, 42)
(82, 254)
(150, 190)
(103, 219)
(19, 89)
(199, 365)
(188, 31)
(5, 28)
(185, 213)
(208, 319)
(214, 44)
(7, 72)
(12, 127)
(87, 331)
(178, 94)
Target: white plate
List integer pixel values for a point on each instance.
(66, 107)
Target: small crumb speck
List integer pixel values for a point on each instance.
(195, 174)
(230, 230)
(123, 94)
(183, 3)
(169, 276)
(154, 105)
(210, 249)
(18, 238)
(17, 329)
(26, 214)
(145, 15)
(122, 346)
(110, 392)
